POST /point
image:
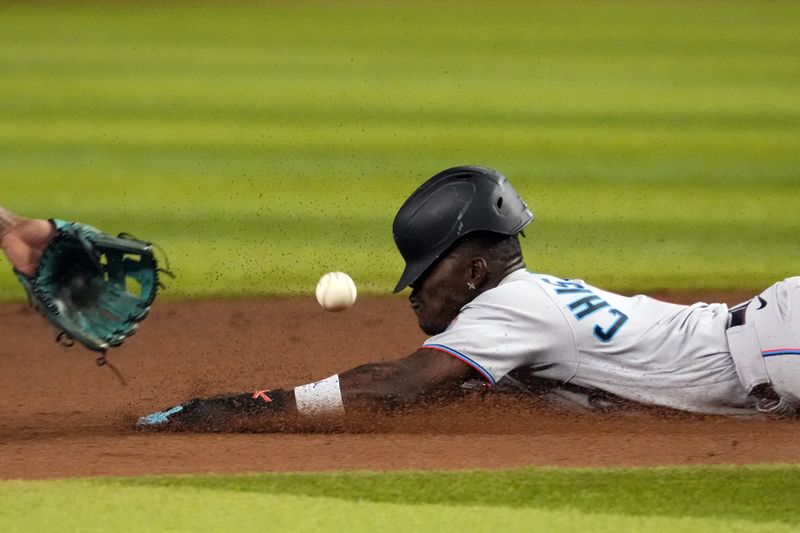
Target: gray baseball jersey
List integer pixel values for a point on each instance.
(637, 348)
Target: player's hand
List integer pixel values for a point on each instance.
(24, 242)
(195, 412)
(217, 413)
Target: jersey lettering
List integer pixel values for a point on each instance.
(587, 305)
(608, 334)
(590, 304)
(565, 284)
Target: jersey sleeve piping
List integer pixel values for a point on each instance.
(458, 355)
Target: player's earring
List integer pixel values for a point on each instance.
(471, 286)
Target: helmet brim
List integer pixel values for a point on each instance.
(412, 273)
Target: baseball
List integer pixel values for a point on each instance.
(336, 291)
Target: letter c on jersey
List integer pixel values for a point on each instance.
(608, 334)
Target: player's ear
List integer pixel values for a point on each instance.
(478, 272)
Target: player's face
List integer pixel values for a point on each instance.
(438, 296)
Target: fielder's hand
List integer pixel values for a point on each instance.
(91, 286)
(23, 240)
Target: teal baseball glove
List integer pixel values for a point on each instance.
(94, 288)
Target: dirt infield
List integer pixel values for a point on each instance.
(60, 415)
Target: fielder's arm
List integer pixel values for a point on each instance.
(23, 239)
(424, 376)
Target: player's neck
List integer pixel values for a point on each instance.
(502, 273)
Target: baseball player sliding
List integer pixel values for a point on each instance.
(490, 319)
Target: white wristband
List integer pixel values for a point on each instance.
(321, 398)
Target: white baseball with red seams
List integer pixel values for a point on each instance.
(336, 291)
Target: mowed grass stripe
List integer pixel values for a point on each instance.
(696, 499)
(137, 509)
(752, 493)
(281, 239)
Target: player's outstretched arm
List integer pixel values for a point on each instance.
(23, 240)
(424, 376)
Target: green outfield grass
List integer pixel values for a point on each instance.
(263, 144)
(762, 498)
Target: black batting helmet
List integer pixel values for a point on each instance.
(454, 203)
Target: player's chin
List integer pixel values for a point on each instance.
(430, 328)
